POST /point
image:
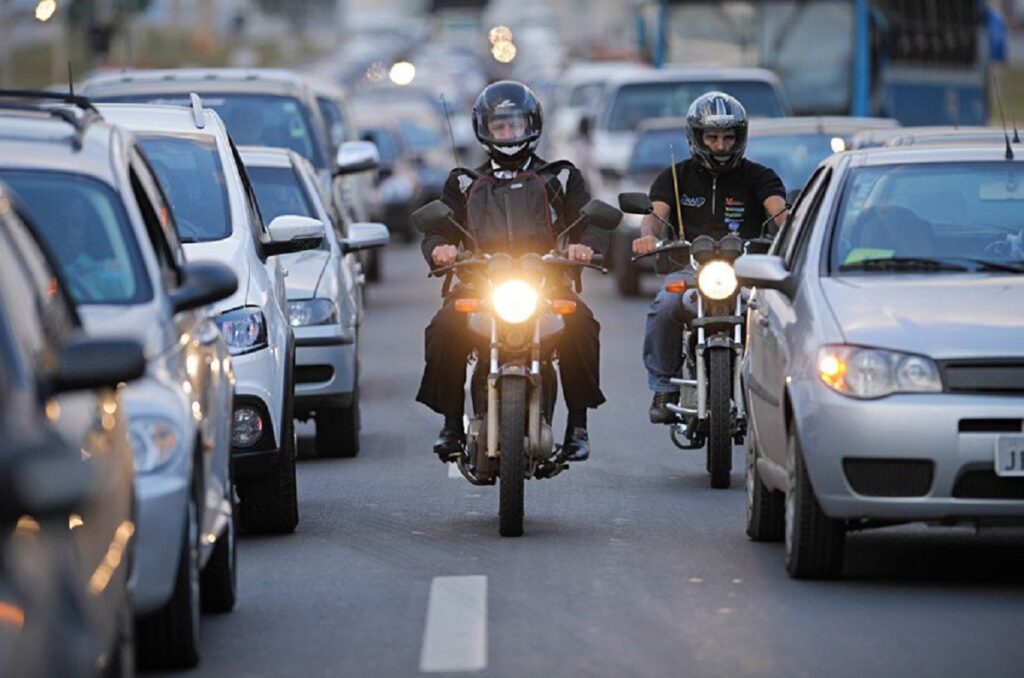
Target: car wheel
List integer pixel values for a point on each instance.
(766, 509)
(814, 542)
(170, 637)
(219, 582)
(270, 504)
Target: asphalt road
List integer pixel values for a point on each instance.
(630, 566)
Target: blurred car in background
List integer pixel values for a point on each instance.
(95, 204)
(946, 136)
(399, 184)
(67, 508)
(322, 298)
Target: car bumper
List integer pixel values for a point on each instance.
(936, 450)
(325, 368)
(162, 500)
(254, 375)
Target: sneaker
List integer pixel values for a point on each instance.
(659, 412)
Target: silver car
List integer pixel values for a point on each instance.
(322, 297)
(94, 202)
(884, 370)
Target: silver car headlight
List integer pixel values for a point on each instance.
(717, 280)
(514, 301)
(244, 329)
(155, 440)
(875, 373)
(305, 312)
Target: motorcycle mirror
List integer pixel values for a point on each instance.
(432, 213)
(602, 215)
(635, 203)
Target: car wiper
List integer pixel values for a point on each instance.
(902, 264)
(990, 265)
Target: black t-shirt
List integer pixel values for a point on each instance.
(711, 203)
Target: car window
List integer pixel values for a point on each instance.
(158, 219)
(84, 223)
(256, 223)
(792, 156)
(797, 255)
(190, 173)
(640, 101)
(954, 210)
(785, 236)
(655, 149)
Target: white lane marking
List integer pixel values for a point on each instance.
(455, 637)
(453, 471)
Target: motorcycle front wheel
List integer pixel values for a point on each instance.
(720, 418)
(512, 469)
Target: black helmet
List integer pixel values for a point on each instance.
(716, 111)
(516, 105)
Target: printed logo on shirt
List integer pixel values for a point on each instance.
(734, 210)
(687, 201)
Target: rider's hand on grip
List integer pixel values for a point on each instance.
(644, 245)
(444, 255)
(581, 253)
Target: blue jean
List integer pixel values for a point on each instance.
(663, 335)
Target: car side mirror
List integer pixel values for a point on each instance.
(635, 203)
(202, 283)
(294, 233)
(586, 126)
(356, 156)
(364, 236)
(87, 364)
(45, 479)
(432, 213)
(765, 271)
(602, 215)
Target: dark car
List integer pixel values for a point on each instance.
(66, 499)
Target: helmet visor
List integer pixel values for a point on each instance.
(507, 128)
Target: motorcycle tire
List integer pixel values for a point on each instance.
(512, 468)
(720, 418)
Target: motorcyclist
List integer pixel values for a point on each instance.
(507, 119)
(715, 192)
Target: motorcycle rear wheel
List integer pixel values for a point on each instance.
(512, 469)
(720, 418)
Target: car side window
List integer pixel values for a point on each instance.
(156, 215)
(259, 231)
(796, 216)
(794, 259)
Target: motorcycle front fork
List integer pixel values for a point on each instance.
(535, 406)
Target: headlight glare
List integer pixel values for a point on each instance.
(154, 441)
(876, 373)
(244, 329)
(717, 280)
(514, 301)
(304, 312)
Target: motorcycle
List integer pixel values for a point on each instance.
(710, 410)
(516, 311)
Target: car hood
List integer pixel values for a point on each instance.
(305, 271)
(947, 316)
(231, 253)
(141, 323)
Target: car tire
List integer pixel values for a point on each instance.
(169, 638)
(766, 509)
(337, 430)
(219, 580)
(814, 542)
(270, 504)
(121, 660)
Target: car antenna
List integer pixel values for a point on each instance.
(1006, 135)
(451, 134)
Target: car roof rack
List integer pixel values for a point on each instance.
(89, 112)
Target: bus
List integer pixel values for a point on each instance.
(922, 62)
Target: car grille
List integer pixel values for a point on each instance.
(313, 374)
(985, 484)
(889, 477)
(977, 376)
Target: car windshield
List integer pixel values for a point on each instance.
(655, 148)
(279, 191)
(792, 156)
(84, 224)
(970, 214)
(252, 119)
(192, 177)
(641, 101)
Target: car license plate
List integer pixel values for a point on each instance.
(1010, 456)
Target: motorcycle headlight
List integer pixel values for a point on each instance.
(514, 301)
(717, 280)
(312, 312)
(875, 373)
(244, 329)
(154, 442)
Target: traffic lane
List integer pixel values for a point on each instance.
(630, 563)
